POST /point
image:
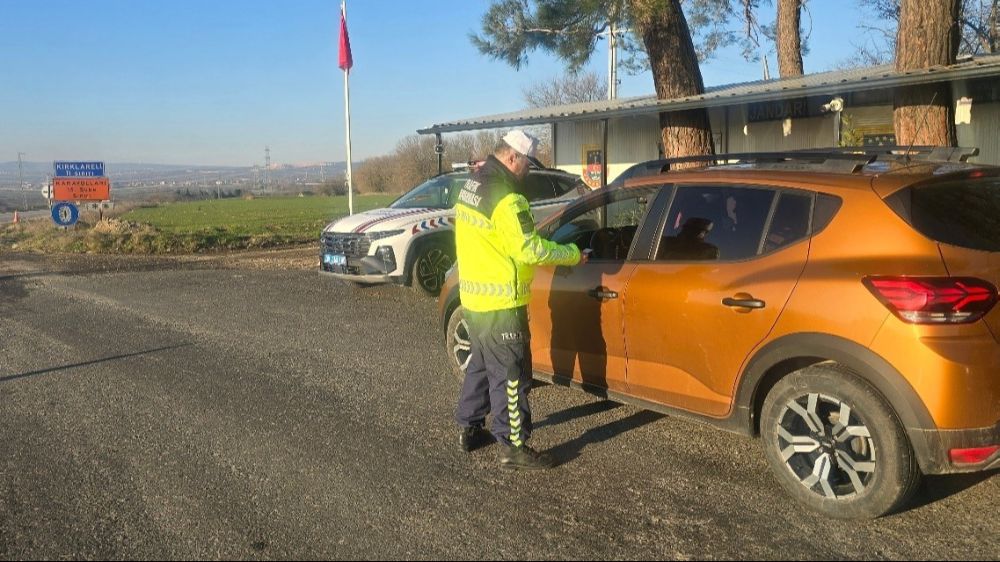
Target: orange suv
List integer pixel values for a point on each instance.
(838, 304)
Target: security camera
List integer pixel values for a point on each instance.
(836, 104)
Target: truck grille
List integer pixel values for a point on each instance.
(349, 244)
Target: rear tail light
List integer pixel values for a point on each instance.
(934, 300)
(972, 456)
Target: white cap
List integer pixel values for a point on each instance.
(522, 142)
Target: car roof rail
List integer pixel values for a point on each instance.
(953, 154)
(928, 153)
(843, 160)
(813, 160)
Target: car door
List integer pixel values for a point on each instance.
(712, 292)
(576, 312)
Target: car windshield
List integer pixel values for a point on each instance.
(436, 193)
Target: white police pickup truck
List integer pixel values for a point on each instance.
(412, 241)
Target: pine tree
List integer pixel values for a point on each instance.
(570, 29)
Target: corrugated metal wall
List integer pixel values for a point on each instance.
(637, 139)
(571, 137)
(982, 132)
(632, 140)
(768, 136)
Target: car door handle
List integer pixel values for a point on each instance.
(743, 302)
(602, 293)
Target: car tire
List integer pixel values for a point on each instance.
(860, 469)
(431, 262)
(458, 343)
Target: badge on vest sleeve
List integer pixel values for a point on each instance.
(527, 223)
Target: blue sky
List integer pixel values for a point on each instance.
(214, 81)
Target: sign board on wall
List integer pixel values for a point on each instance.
(81, 189)
(780, 110)
(593, 165)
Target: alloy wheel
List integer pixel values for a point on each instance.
(461, 345)
(826, 445)
(431, 269)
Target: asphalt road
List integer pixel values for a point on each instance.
(8, 218)
(220, 408)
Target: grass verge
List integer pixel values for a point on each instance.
(191, 227)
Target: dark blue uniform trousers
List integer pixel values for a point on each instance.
(498, 377)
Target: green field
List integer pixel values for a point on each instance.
(193, 226)
(295, 218)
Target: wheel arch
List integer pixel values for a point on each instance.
(417, 243)
(790, 353)
(451, 303)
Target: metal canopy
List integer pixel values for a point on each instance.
(825, 83)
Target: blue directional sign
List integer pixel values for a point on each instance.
(65, 214)
(79, 169)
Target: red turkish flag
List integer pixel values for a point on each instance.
(346, 62)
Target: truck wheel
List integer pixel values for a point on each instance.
(429, 266)
(458, 343)
(835, 444)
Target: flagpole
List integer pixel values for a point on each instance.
(347, 120)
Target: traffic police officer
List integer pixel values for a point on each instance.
(497, 248)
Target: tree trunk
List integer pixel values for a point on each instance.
(928, 36)
(994, 28)
(789, 41)
(667, 39)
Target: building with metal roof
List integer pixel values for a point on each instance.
(599, 139)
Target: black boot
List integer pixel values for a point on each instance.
(524, 458)
(473, 437)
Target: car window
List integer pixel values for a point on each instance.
(608, 225)
(641, 169)
(715, 223)
(565, 185)
(453, 189)
(437, 192)
(790, 222)
(964, 213)
(538, 186)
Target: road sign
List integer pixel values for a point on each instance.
(81, 189)
(99, 205)
(65, 214)
(79, 169)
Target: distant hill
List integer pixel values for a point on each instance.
(124, 175)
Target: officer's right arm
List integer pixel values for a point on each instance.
(515, 225)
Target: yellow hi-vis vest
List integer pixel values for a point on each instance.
(496, 243)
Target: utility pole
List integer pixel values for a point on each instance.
(20, 181)
(613, 31)
(267, 168)
(612, 61)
